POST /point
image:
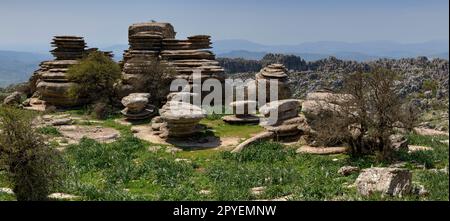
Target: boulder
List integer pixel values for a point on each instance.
(136, 102)
(180, 119)
(347, 170)
(244, 107)
(389, 181)
(399, 142)
(13, 99)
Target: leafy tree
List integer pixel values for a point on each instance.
(95, 75)
(367, 114)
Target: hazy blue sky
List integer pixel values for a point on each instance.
(27, 24)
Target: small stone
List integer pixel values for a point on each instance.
(154, 148)
(399, 142)
(13, 99)
(414, 148)
(173, 150)
(61, 121)
(205, 192)
(347, 170)
(183, 160)
(420, 190)
(6, 190)
(62, 196)
(398, 165)
(258, 190)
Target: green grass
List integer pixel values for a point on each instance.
(126, 170)
(49, 130)
(223, 129)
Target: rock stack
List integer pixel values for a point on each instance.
(282, 118)
(68, 47)
(156, 41)
(145, 40)
(190, 55)
(180, 119)
(243, 113)
(137, 106)
(50, 80)
(278, 73)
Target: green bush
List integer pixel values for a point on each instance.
(95, 75)
(31, 166)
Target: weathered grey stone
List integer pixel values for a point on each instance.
(136, 102)
(347, 170)
(13, 99)
(399, 142)
(390, 181)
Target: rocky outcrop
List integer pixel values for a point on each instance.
(389, 181)
(13, 99)
(280, 119)
(50, 81)
(417, 75)
(244, 113)
(180, 119)
(153, 41)
(137, 106)
(273, 78)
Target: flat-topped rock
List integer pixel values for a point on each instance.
(280, 106)
(181, 112)
(136, 101)
(273, 78)
(241, 119)
(244, 107)
(322, 150)
(186, 97)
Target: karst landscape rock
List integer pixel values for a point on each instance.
(154, 145)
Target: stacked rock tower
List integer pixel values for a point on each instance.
(50, 80)
(277, 73)
(282, 118)
(154, 40)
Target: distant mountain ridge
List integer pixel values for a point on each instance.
(17, 67)
(310, 51)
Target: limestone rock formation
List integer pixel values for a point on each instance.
(276, 73)
(281, 121)
(155, 41)
(390, 181)
(319, 104)
(244, 113)
(137, 106)
(13, 99)
(180, 119)
(50, 81)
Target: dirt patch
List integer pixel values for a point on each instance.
(145, 132)
(74, 133)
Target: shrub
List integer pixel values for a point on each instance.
(95, 75)
(156, 78)
(369, 112)
(31, 166)
(101, 110)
